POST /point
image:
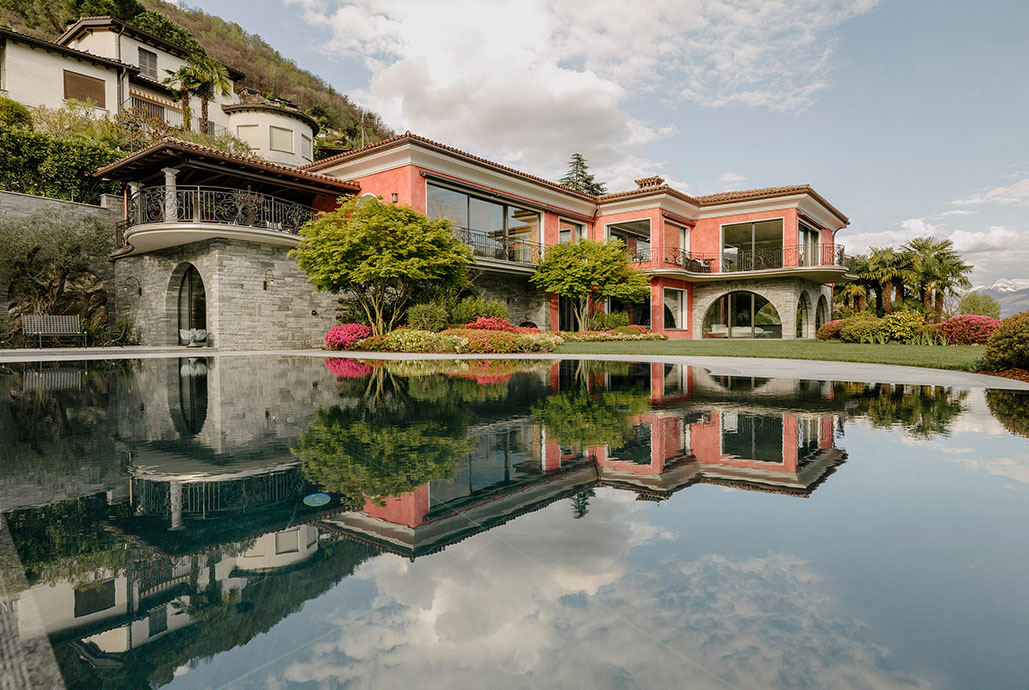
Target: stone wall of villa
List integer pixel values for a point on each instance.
(783, 293)
(257, 298)
(525, 302)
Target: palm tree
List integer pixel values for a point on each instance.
(184, 85)
(854, 296)
(937, 270)
(868, 278)
(212, 79)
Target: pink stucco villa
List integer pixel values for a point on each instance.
(744, 264)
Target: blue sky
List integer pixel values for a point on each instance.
(912, 117)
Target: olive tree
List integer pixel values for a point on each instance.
(381, 254)
(586, 271)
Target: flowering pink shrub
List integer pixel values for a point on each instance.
(342, 337)
(481, 342)
(968, 329)
(526, 329)
(347, 368)
(490, 323)
(830, 330)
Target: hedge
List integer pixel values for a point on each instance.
(42, 165)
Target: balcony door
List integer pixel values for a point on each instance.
(752, 246)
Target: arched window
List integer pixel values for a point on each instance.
(192, 303)
(742, 315)
(803, 314)
(193, 394)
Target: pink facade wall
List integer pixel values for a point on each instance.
(706, 238)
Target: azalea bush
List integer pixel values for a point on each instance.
(344, 336)
(1008, 347)
(968, 329)
(347, 368)
(830, 330)
(490, 323)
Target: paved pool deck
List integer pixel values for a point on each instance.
(718, 366)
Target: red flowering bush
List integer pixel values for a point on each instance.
(526, 329)
(968, 329)
(830, 330)
(481, 342)
(342, 337)
(347, 368)
(490, 323)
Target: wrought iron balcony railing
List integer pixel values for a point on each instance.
(218, 205)
(510, 248)
(753, 260)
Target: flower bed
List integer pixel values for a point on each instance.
(344, 336)
(459, 341)
(601, 336)
(490, 323)
(968, 329)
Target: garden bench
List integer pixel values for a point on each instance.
(54, 326)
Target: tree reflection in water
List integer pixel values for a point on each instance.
(1011, 409)
(922, 411)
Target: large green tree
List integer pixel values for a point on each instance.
(381, 254)
(980, 303)
(580, 178)
(211, 79)
(184, 86)
(586, 271)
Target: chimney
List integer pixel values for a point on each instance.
(647, 182)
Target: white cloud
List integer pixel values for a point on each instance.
(731, 181)
(955, 212)
(1016, 194)
(531, 81)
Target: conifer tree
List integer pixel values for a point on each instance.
(580, 178)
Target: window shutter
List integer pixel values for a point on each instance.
(82, 88)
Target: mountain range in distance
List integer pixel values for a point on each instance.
(1011, 293)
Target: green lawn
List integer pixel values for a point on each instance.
(948, 357)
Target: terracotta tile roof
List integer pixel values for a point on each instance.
(65, 50)
(408, 137)
(173, 144)
(101, 21)
(646, 186)
(768, 193)
(647, 191)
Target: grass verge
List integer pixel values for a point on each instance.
(960, 357)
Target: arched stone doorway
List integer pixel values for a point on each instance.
(190, 302)
(822, 313)
(742, 314)
(803, 316)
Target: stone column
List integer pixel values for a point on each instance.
(171, 206)
(175, 496)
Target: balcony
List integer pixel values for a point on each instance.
(500, 248)
(820, 261)
(217, 205)
(144, 110)
(160, 217)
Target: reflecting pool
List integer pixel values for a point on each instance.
(496, 524)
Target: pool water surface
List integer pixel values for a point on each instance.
(255, 522)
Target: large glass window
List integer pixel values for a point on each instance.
(752, 246)
(493, 229)
(675, 306)
(747, 436)
(635, 235)
(742, 315)
(569, 232)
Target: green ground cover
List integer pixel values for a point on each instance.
(937, 357)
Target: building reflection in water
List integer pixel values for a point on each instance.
(148, 563)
